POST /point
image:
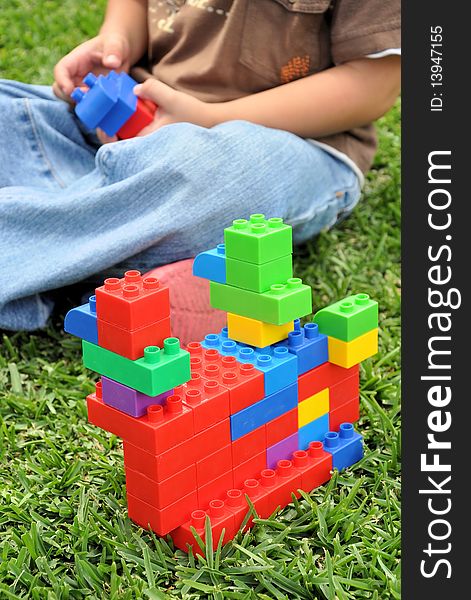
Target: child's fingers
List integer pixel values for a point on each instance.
(160, 93)
(113, 51)
(63, 77)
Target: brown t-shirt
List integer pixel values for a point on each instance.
(219, 50)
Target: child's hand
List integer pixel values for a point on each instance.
(175, 107)
(99, 55)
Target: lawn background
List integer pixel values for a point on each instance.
(63, 526)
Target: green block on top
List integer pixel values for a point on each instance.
(156, 372)
(349, 318)
(258, 240)
(258, 278)
(282, 303)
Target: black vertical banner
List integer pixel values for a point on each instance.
(436, 271)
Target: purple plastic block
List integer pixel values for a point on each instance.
(282, 450)
(127, 400)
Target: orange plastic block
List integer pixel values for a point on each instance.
(159, 430)
(214, 465)
(321, 377)
(131, 344)
(161, 494)
(133, 301)
(163, 520)
(315, 466)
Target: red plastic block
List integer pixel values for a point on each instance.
(161, 521)
(290, 482)
(347, 413)
(161, 494)
(282, 427)
(248, 446)
(214, 490)
(244, 381)
(211, 439)
(159, 466)
(214, 465)
(323, 376)
(236, 502)
(250, 468)
(143, 116)
(258, 495)
(131, 344)
(208, 400)
(132, 302)
(343, 392)
(159, 430)
(315, 466)
(221, 518)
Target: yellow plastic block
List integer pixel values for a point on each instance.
(256, 333)
(347, 354)
(313, 407)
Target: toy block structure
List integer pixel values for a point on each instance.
(257, 412)
(111, 104)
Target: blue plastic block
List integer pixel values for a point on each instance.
(108, 103)
(308, 345)
(346, 446)
(314, 431)
(82, 321)
(211, 264)
(265, 410)
(222, 343)
(279, 366)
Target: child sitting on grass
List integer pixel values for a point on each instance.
(265, 106)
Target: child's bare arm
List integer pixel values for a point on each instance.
(121, 42)
(338, 99)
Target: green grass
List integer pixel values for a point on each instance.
(63, 526)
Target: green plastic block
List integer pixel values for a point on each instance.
(258, 278)
(349, 318)
(156, 372)
(282, 303)
(258, 240)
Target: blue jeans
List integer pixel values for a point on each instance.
(70, 209)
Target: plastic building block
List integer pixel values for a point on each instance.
(211, 439)
(214, 465)
(256, 333)
(127, 399)
(211, 264)
(155, 373)
(323, 376)
(344, 392)
(159, 430)
(244, 382)
(209, 402)
(346, 413)
(161, 521)
(258, 240)
(309, 346)
(161, 494)
(250, 468)
(221, 519)
(142, 116)
(236, 502)
(258, 277)
(313, 431)
(313, 407)
(249, 445)
(215, 489)
(221, 342)
(282, 302)
(263, 411)
(282, 450)
(108, 103)
(346, 446)
(347, 354)
(315, 465)
(131, 344)
(159, 467)
(280, 367)
(133, 301)
(82, 321)
(349, 318)
(280, 488)
(281, 427)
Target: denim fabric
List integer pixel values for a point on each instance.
(70, 209)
